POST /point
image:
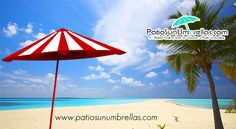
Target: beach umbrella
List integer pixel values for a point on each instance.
(62, 44)
(184, 20)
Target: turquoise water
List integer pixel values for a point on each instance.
(29, 103)
(205, 103)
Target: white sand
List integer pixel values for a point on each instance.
(189, 117)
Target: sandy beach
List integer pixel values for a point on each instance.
(189, 117)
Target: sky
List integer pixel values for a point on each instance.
(141, 72)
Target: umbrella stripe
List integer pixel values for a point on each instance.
(71, 42)
(36, 46)
(54, 44)
(83, 45)
(63, 45)
(101, 44)
(42, 47)
(90, 43)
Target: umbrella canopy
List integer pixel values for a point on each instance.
(184, 20)
(63, 44)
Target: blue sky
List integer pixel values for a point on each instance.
(142, 72)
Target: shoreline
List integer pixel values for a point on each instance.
(185, 105)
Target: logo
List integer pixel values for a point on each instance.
(180, 31)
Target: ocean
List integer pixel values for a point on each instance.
(205, 103)
(30, 103)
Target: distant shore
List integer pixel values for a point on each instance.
(188, 117)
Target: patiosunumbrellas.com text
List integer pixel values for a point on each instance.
(116, 117)
(180, 34)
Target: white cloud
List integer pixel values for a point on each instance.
(131, 82)
(23, 77)
(7, 81)
(19, 72)
(186, 5)
(97, 68)
(52, 76)
(52, 30)
(127, 31)
(115, 88)
(26, 43)
(166, 72)
(112, 81)
(177, 81)
(27, 85)
(40, 35)
(151, 85)
(163, 84)
(95, 76)
(90, 76)
(29, 28)
(154, 60)
(151, 74)
(11, 29)
(101, 9)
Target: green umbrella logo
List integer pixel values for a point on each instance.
(184, 20)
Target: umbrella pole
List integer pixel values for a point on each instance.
(54, 95)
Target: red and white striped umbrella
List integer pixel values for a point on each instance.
(62, 45)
